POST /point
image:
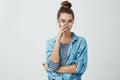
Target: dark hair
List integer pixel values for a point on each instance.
(65, 8)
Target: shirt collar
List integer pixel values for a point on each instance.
(74, 37)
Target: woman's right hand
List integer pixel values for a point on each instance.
(62, 29)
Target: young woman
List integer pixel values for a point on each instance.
(66, 54)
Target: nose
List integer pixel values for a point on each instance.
(66, 23)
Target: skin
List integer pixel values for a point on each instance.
(64, 35)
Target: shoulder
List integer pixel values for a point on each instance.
(81, 41)
(80, 38)
(50, 41)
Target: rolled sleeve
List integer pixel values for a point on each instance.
(81, 61)
(53, 66)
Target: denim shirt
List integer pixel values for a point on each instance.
(77, 54)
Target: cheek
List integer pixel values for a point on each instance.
(70, 26)
(61, 24)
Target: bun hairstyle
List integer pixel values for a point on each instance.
(66, 4)
(65, 8)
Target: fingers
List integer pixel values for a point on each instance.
(46, 67)
(43, 63)
(64, 28)
(64, 24)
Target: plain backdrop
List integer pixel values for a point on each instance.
(25, 25)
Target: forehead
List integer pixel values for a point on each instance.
(66, 16)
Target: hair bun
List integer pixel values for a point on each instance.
(66, 4)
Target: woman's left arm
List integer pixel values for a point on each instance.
(67, 69)
(63, 69)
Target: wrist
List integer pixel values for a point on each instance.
(58, 40)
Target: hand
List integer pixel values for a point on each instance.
(62, 29)
(46, 67)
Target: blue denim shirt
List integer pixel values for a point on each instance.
(77, 54)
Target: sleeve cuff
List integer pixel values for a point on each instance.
(53, 66)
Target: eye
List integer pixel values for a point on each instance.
(63, 21)
(70, 21)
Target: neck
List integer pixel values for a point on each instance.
(66, 37)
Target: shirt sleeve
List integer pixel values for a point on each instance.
(81, 61)
(49, 48)
(53, 66)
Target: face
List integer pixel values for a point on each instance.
(66, 18)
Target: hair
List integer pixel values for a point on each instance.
(65, 8)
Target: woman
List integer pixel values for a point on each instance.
(66, 54)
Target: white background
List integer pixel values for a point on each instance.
(25, 25)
